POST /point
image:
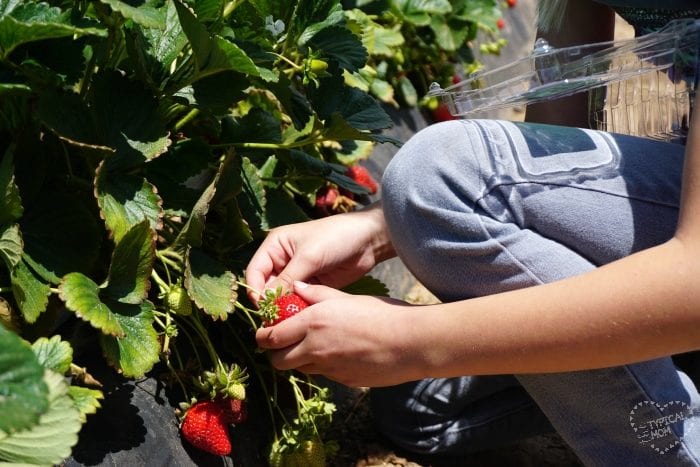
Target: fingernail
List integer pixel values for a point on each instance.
(300, 285)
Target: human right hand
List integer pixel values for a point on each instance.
(333, 251)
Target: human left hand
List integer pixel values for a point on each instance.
(356, 340)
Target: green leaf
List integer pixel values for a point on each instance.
(334, 16)
(233, 232)
(383, 41)
(339, 130)
(354, 151)
(138, 350)
(145, 15)
(53, 354)
(191, 233)
(367, 285)
(6, 6)
(358, 109)
(67, 116)
(82, 296)
(408, 91)
(61, 235)
(208, 10)
(341, 45)
(131, 266)
(282, 209)
(418, 12)
(50, 441)
(307, 13)
(31, 294)
(23, 393)
(10, 202)
(217, 93)
(31, 21)
(11, 246)
(212, 53)
(127, 119)
(450, 34)
(256, 126)
(210, 285)
(125, 200)
(153, 50)
(252, 199)
(170, 172)
(383, 90)
(86, 400)
(295, 104)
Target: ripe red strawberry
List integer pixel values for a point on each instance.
(205, 427)
(442, 113)
(275, 308)
(501, 23)
(362, 176)
(512, 3)
(236, 410)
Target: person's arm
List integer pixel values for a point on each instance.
(585, 22)
(644, 306)
(641, 307)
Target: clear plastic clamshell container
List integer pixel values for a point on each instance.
(643, 86)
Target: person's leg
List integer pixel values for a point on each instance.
(453, 416)
(481, 207)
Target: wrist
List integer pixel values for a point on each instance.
(379, 240)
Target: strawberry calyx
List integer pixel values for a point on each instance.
(276, 306)
(224, 381)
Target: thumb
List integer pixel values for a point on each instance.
(316, 293)
(298, 269)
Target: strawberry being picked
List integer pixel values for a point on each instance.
(205, 426)
(278, 306)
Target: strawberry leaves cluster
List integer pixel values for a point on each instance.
(146, 149)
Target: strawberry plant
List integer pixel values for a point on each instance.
(146, 149)
(414, 43)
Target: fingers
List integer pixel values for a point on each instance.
(278, 263)
(282, 335)
(316, 293)
(258, 271)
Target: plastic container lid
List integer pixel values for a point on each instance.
(642, 86)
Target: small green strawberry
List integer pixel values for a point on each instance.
(177, 300)
(309, 453)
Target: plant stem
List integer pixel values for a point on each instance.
(205, 338)
(169, 262)
(263, 385)
(161, 283)
(285, 59)
(189, 337)
(186, 119)
(296, 144)
(230, 7)
(7, 288)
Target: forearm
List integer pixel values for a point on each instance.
(638, 308)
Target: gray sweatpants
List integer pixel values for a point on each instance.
(478, 207)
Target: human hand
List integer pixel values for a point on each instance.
(333, 251)
(356, 340)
